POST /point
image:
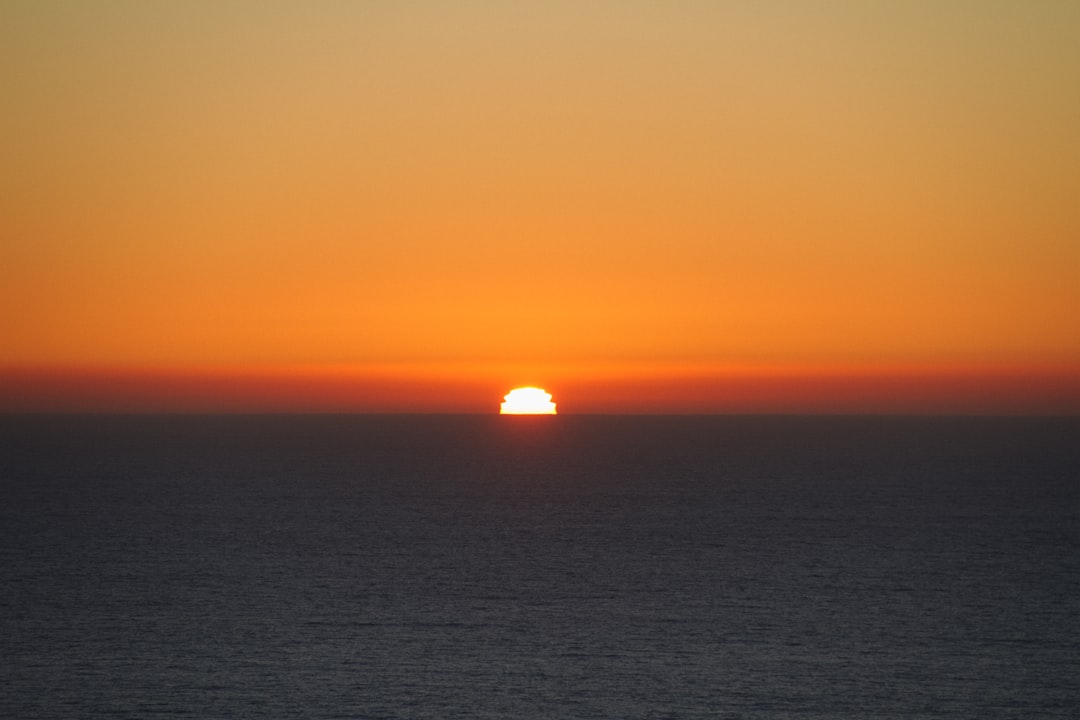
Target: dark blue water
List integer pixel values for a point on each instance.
(565, 567)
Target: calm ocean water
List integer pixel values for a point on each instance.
(565, 567)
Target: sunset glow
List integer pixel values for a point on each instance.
(527, 401)
(662, 207)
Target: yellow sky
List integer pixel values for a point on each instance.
(639, 184)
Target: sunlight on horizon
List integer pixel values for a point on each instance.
(527, 401)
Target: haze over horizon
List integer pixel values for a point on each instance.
(641, 207)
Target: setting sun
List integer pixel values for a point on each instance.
(527, 401)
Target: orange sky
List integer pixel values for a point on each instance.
(643, 207)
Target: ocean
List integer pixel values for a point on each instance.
(444, 566)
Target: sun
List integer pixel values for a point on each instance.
(528, 401)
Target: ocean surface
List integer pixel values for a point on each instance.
(539, 567)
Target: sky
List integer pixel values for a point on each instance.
(642, 206)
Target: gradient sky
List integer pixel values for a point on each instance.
(642, 206)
